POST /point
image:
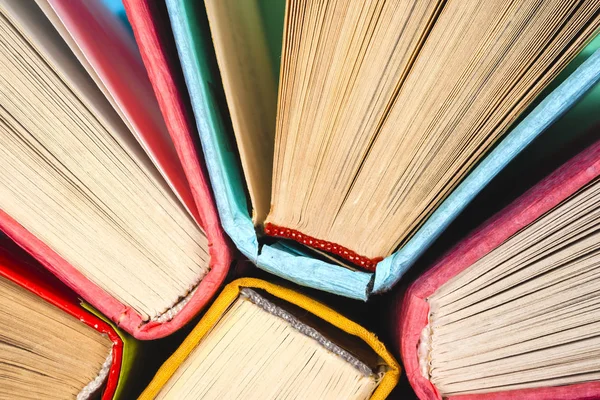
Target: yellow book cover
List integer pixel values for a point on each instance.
(293, 357)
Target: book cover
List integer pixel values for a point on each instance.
(19, 268)
(231, 292)
(193, 41)
(110, 56)
(412, 309)
(150, 24)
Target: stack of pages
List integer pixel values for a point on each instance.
(390, 119)
(262, 341)
(513, 308)
(95, 184)
(148, 154)
(53, 345)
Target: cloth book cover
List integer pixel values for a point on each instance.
(20, 268)
(413, 310)
(108, 53)
(152, 31)
(271, 297)
(193, 39)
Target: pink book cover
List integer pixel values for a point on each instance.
(113, 55)
(411, 310)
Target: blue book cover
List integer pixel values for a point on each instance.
(194, 45)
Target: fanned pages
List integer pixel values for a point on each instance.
(79, 191)
(384, 107)
(514, 308)
(111, 59)
(259, 333)
(531, 303)
(46, 353)
(253, 344)
(51, 348)
(211, 50)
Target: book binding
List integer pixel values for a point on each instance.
(231, 292)
(194, 47)
(17, 268)
(412, 309)
(202, 206)
(364, 262)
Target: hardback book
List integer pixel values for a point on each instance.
(100, 181)
(381, 136)
(53, 345)
(512, 310)
(263, 341)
